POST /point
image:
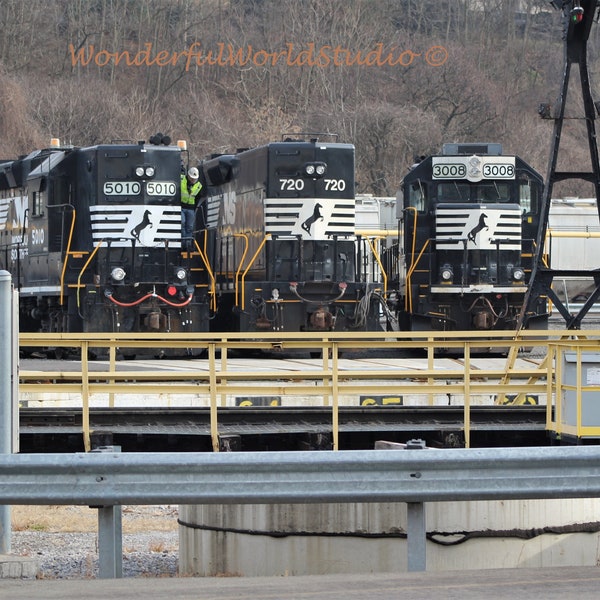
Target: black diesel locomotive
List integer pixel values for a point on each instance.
(92, 237)
(280, 237)
(469, 219)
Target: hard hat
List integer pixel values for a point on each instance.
(193, 173)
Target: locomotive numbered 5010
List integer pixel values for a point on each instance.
(92, 237)
(469, 219)
(280, 222)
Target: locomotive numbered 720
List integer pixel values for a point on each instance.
(280, 237)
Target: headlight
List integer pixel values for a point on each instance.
(150, 171)
(446, 273)
(518, 274)
(117, 274)
(139, 171)
(316, 169)
(180, 274)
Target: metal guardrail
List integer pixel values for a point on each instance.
(327, 379)
(305, 477)
(110, 479)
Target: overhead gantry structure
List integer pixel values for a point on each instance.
(578, 18)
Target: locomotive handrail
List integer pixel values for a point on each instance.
(241, 263)
(413, 266)
(211, 275)
(260, 247)
(85, 266)
(67, 255)
(378, 259)
(332, 378)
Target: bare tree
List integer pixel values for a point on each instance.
(18, 130)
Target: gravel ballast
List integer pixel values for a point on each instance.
(147, 551)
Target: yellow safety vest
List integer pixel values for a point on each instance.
(188, 196)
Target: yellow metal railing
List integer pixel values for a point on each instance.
(331, 378)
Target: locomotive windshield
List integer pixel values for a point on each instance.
(485, 192)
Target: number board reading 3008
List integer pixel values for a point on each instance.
(473, 168)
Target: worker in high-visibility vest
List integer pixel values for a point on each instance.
(190, 188)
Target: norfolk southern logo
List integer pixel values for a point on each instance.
(151, 226)
(143, 224)
(457, 225)
(471, 236)
(309, 218)
(316, 216)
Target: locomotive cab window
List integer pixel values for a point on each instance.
(39, 200)
(417, 196)
(493, 192)
(529, 194)
(453, 192)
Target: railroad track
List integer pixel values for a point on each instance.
(279, 428)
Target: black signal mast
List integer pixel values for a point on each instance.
(578, 17)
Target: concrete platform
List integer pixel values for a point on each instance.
(17, 567)
(500, 584)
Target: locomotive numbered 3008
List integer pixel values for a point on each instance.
(92, 237)
(469, 219)
(281, 239)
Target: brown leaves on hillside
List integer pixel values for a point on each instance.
(18, 130)
(237, 73)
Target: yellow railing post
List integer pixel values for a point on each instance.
(578, 391)
(335, 397)
(430, 365)
(223, 380)
(112, 361)
(552, 399)
(214, 429)
(327, 399)
(467, 395)
(85, 396)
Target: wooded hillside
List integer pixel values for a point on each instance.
(395, 77)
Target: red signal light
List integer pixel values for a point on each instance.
(577, 14)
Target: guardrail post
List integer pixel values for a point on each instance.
(416, 531)
(416, 536)
(110, 535)
(110, 542)
(6, 397)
